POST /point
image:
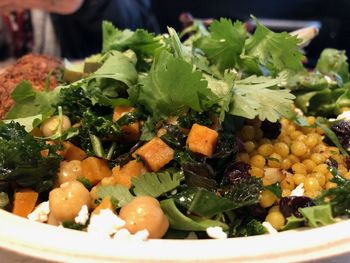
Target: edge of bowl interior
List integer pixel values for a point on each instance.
(27, 239)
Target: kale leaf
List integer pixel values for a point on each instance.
(21, 160)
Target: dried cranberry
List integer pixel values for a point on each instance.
(271, 129)
(290, 205)
(236, 171)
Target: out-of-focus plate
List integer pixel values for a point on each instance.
(25, 241)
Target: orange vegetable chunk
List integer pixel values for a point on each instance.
(105, 204)
(73, 152)
(131, 131)
(202, 139)
(155, 154)
(124, 174)
(24, 202)
(95, 169)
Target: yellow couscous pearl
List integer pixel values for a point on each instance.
(299, 168)
(321, 168)
(256, 172)
(258, 161)
(274, 160)
(309, 164)
(243, 157)
(318, 158)
(288, 183)
(281, 148)
(321, 178)
(275, 208)
(311, 140)
(249, 146)
(267, 199)
(276, 219)
(299, 178)
(295, 134)
(286, 192)
(330, 185)
(259, 134)
(293, 158)
(311, 184)
(247, 133)
(265, 149)
(286, 164)
(298, 148)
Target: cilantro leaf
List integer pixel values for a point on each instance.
(118, 193)
(155, 184)
(276, 51)
(172, 86)
(252, 97)
(141, 42)
(29, 102)
(224, 44)
(118, 67)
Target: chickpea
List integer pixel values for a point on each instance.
(69, 171)
(50, 126)
(144, 212)
(66, 201)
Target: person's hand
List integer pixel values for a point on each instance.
(53, 6)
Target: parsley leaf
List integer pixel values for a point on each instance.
(276, 51)
(172, 87)
(224, 44)
(155, 184)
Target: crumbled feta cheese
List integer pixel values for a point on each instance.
(270, 229)
(105, 224)
(82, 216)
(40, 213)
(124, 234)
(216, 232)
(344, 116)
(298, 191)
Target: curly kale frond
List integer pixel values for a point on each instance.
(22, 162)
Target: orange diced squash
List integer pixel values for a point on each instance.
(155, 154)
(73, 152)
(95, 169)
(202, 140)
(132, 131)
(24, 202)
(123, 175)
(105, 204)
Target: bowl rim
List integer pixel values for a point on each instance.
(42, 241)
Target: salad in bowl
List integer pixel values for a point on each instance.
(223, 134)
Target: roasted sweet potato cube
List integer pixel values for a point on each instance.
(123, 175)
(105, 204)
(73, 152)
(202, 140)
(95, 169)
(155, 154)
(24, 202)
(131, 131)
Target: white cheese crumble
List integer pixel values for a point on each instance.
(82, 216)
(270, 229)
(124, 234)
(216, 232)
(298, 191)
(105, 224)
(344, 116)
(40, 213)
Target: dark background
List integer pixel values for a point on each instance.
(333, 15)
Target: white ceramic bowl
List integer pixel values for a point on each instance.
(25, 241)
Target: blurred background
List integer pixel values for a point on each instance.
(72, 28)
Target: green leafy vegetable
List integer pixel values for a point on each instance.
(275, 189)
(21, 162)
(224, 44)
(119, 194)
(179, 221)
(173, 87)
(72, 225)
(276, 51)
(155, 184)
(254, 96)
(29, 103)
